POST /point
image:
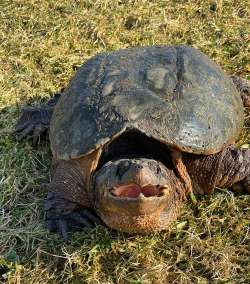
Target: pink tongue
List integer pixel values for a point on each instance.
(150, 190)
(133, 190)
(130, 190)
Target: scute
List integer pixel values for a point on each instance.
(175, 94)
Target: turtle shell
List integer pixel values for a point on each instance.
(175, 94)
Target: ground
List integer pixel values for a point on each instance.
(42, 45)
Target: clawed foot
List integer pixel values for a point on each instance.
(75, 221)
(63, 216)
(34, 122)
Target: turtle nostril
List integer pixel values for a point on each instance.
(139, 167)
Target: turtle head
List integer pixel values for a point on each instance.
(136, 194)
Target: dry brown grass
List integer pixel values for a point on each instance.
(42, 44)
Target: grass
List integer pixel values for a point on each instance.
(42, 44)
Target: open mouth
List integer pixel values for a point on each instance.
(134, 190)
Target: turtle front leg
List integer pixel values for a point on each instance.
(243, 86)
(225, 169)
(34, 121)
(67, 205)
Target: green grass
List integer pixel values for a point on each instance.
(42, 44)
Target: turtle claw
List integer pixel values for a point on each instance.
(51, 226)
(63, 229)
(26, 130)
(91, 216)
(82, 220)
(79, 220)
(34, 122)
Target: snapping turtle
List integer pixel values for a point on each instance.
(134, 132)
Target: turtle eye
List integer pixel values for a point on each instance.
(122, 168)
(158, 170)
